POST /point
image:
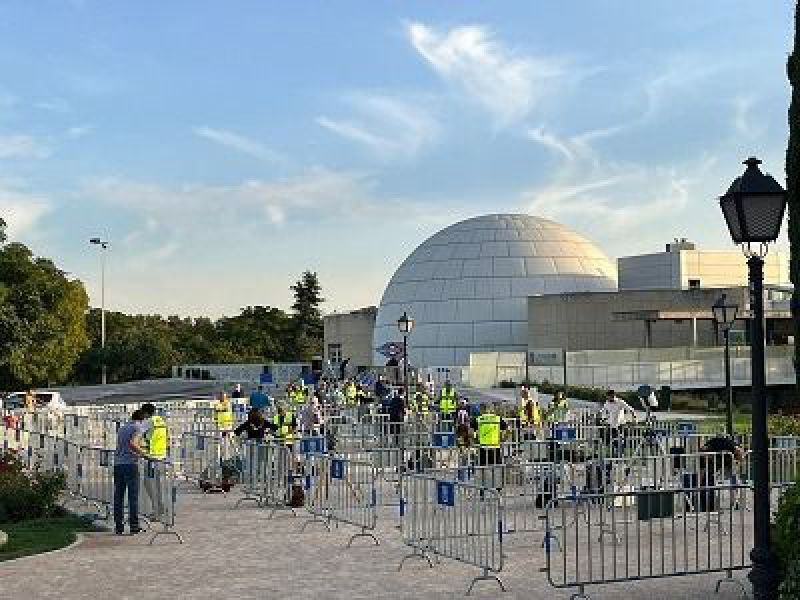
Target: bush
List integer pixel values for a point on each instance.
(786, 532)
(27, 494)
(783, 425)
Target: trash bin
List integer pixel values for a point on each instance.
(665, 398)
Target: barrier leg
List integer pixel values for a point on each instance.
(580, 594)
(248, 498)
(166, 531)
(364, 533)
(326, 522)
(729, 579)
(416, 554)
(486, 577)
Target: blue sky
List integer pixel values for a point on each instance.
(225, 147)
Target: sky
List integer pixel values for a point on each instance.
(222, 148)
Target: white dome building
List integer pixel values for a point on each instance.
(467, 286)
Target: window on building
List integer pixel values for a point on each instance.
(335, 353)
(694, 284)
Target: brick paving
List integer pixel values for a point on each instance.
(242, 553)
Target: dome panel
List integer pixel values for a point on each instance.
(467, 285)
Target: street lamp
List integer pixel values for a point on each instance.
(724, 316)
(103, 247)
(405, 324)
(753, 208)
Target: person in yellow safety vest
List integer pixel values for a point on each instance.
(284, 425)
(447, 400)
(351, 393)
(156, 443)
(558, 410)
(223, 412)
(490, 428)
(530, 415)
(300, 395)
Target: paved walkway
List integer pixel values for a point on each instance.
(242, 553)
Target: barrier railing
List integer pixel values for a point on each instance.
(647, 534)
(453, 520)
(342, 491)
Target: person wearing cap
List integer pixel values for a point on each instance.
(285, 425)
(490, 428)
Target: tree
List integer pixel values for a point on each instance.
(307, 318)
(793, 185)
(3, 226)
(42, 319)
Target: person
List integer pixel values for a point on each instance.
(351, 393)
(30, 401)
(718, 444)
(285, 425)
(381, 389)
(311, 416)
(258, 398)
(237, 391)
(430, 386)
(255, 426)
(651, 405)
(396, 408)
(530, 415)
(616, 412)
(558, 411)
(155, 438)
(463, 421)
(223, 412)
(343, 368)
(490, 428)
(447, 401)
(126, 473)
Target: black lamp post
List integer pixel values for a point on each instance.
(753, 208)
(724, 316)
(405, 324)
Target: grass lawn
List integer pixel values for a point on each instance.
(41, 535)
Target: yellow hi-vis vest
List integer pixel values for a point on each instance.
(351, 393)
(157, 437)
(447, 401)
(489, 431)
(224, 414)
(535, 412)
(284, 427)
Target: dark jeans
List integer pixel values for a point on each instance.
(126, 477)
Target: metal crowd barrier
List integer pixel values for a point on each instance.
(342, 491)
(454, 520)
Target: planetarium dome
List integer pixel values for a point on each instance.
(466, 287)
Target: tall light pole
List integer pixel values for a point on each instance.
(405, 324)
(753, 208)
(103, 247)
(724, 316)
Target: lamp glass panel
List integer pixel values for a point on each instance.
(762, 215)
(728, 204)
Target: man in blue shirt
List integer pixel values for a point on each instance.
(126, 472)
(259, 399)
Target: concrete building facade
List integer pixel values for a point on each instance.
(350, 335)
(681, 267)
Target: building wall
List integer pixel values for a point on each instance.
(586, 322)
(713, 269)
(353, 332)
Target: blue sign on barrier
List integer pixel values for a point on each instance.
(30, 451)
(565, 434)
(314, 445)
(337, 468)
(444, 439)
(687, 428)
(446, 493)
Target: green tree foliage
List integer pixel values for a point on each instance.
(793, 182)
(307, 325)
(42, 318)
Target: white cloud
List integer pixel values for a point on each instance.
(196, 208)
(388, 127)
(239, 143)
(505, 83)
(54, 105)
(79, 131)
(21, 210)
(22, 146)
